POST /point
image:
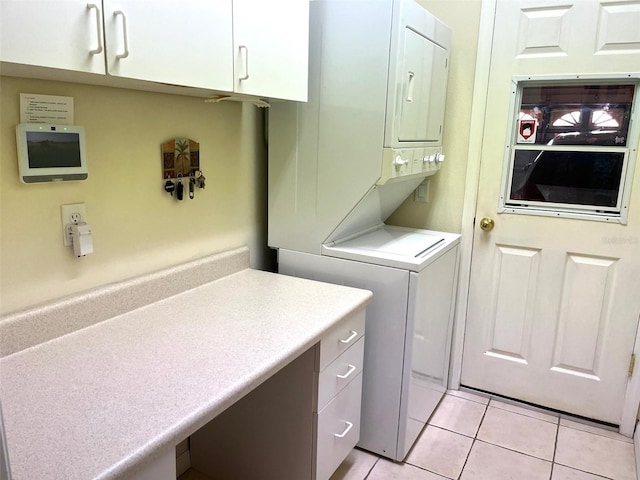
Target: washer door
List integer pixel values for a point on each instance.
(397, 247)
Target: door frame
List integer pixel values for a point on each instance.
(474, 156)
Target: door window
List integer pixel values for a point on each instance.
(571, 149)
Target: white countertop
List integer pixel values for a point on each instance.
(104, 401)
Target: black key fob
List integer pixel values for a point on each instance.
(180, 190)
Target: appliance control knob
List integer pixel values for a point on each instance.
(439, 157)
(399, 161)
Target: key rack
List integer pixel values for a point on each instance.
(180, 163)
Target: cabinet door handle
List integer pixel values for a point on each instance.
(93, 6)
(125, 35)
(352, 368)
(353, 335)
(346, 430)
(246, 61)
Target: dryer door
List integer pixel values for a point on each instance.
(421, 110)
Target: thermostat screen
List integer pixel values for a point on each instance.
(53, 149)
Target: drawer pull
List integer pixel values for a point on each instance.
(353, 335)
(352, 368)
(346, 430)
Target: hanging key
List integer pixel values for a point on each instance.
(192, 184)
(169, 187)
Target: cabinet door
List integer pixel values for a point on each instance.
(58, 34)
(271, 48)
(185, 43)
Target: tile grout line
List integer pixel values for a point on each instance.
(557, 421)
(371, 469)
(585, 471)
(470, 399)
(428, 424)
(542, 410)
(475, 438)
(425, 469)
(472, 435)
(597, 433)
(586, 432)
(486, 411)
(452, 431)
(555, 449)
(515, 451)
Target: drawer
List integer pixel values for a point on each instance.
(340, 338)
(338, 429)
(340, 372)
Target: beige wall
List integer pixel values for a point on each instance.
(137, 227)
(446, 189)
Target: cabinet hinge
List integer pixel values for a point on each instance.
(632, 363)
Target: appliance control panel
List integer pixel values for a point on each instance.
(400, 164)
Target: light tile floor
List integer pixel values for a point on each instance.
(470, 437)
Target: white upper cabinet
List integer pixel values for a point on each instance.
(257, 48)
(187, 43)
(56, 34)
(271, 48)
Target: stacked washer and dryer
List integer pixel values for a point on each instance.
(339, 165)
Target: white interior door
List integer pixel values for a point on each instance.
(553, 301)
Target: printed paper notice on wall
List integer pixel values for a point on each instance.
(50, 109)
(527, 131)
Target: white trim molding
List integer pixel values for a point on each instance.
(636, 446)
(632, 398)
(479, 105)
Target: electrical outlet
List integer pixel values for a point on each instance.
(70, 214)
(421, 194)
